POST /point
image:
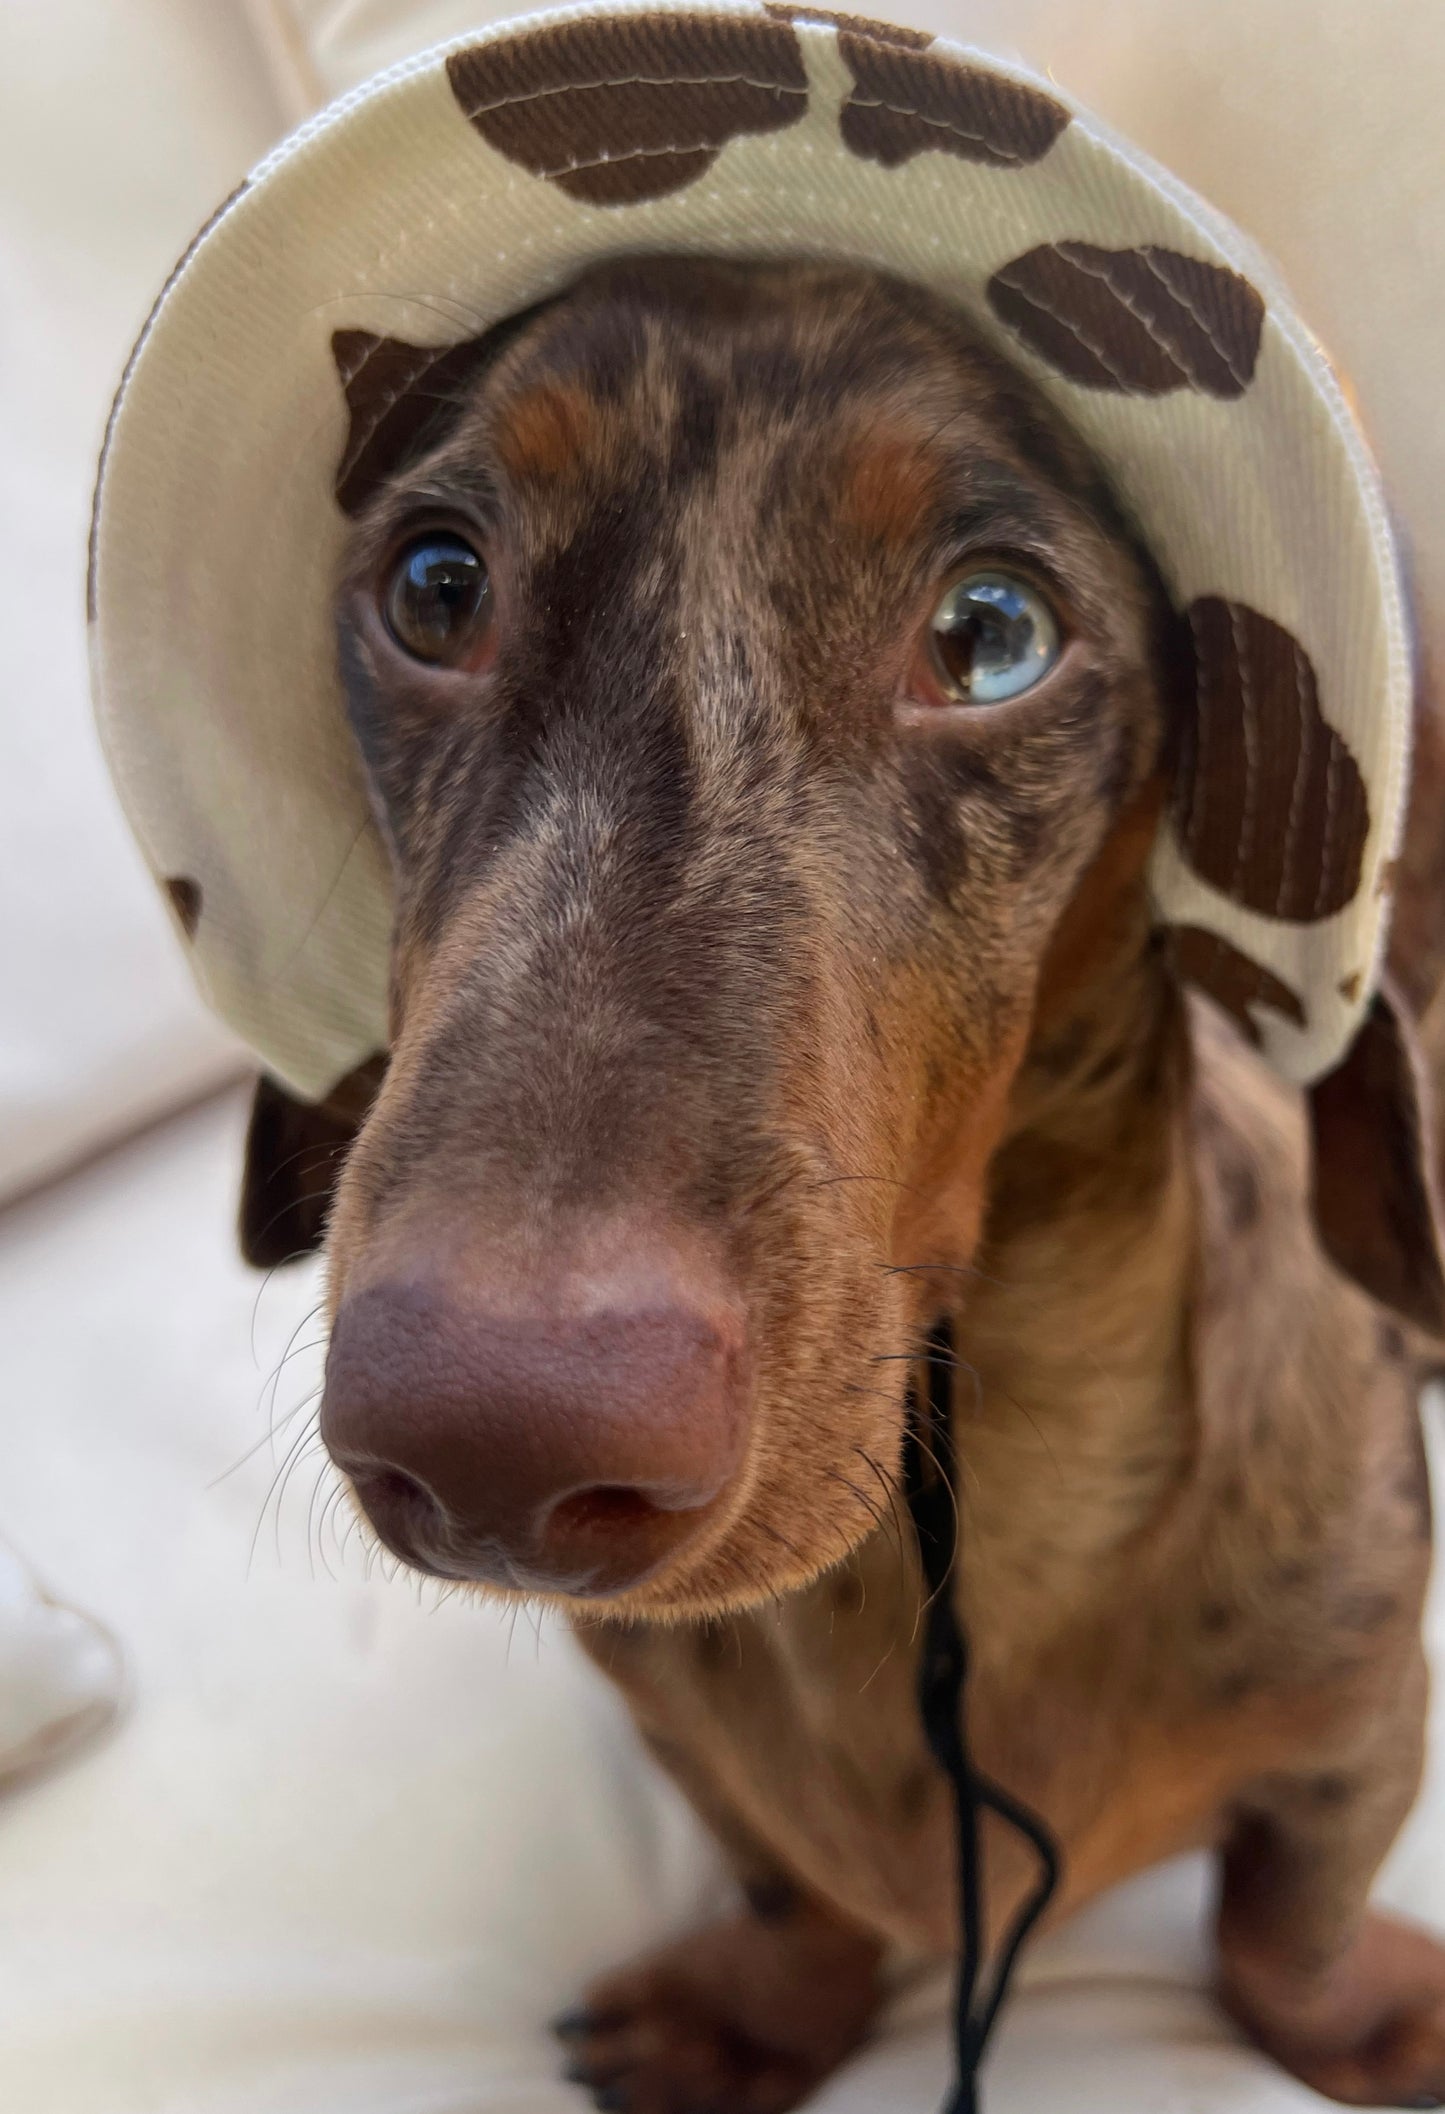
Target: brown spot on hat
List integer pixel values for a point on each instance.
(185, 901)
(398, 396)
(906, 101)
(1232, 979)
(1269, 804)
(1143, 321)
(614, 110)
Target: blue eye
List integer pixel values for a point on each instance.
(994, 636)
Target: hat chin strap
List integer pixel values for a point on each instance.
(942, 1684)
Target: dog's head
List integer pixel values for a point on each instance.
(765, 707)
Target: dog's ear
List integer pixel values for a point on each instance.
(295, 1151)
(1375, 1201)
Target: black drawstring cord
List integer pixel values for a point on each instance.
(942, 1696)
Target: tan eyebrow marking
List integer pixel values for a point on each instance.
(889, 485)
(546, 430)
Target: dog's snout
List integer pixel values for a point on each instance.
(574, 1441)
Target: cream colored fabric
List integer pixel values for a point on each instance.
(348, 1850)
(119, 128)
(218, 529)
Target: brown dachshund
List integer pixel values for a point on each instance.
(769, 712)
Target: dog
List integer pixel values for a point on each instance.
(773, 975)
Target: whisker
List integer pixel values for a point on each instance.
(888, 1181)
(307, 1196)
(265, 1439)
(288, 1459)
(296, 1256)
(890, 1490)
(873, 1511)
(273, 1380)
(782, 1539)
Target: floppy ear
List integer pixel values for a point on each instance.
(1374, 1197)
(295, 1151)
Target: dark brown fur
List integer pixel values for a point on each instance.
(699, 907)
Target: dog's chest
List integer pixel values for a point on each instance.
(796, 1733)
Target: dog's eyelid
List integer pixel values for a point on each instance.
(975, 540)
(467, 499)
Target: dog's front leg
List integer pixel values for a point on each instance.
(748, 2015)
(1350, 2000)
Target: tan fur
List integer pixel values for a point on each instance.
(886, 485)
(547, 432)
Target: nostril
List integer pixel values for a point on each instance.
(608, 1509)
(579, 1449)
(399, 1505)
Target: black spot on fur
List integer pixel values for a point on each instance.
(695, 446)
(935, 839)
(1060, 1054)
(1239, 1185)
(1236, 1685)
(916, 1793)
(1365, 1611)
(771, 1900)
(1390, 1338)
(1108, 1066)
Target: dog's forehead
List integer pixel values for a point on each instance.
(636, 358)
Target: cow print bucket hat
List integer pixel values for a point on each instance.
(304, 335)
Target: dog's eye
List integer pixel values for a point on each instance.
(438, 601)
(993, 636)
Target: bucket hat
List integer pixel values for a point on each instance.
(341, 288)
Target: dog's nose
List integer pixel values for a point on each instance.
(573, 1443)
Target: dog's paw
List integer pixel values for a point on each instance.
(740, 2019)
(663, 2054)
(1376, 2036)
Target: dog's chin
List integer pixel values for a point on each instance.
(753, 1566)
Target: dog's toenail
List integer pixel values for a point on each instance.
(573, 2025)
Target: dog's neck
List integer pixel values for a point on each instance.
(1072, 1404)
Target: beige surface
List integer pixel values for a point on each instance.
(121, 123)
(347, 1850)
